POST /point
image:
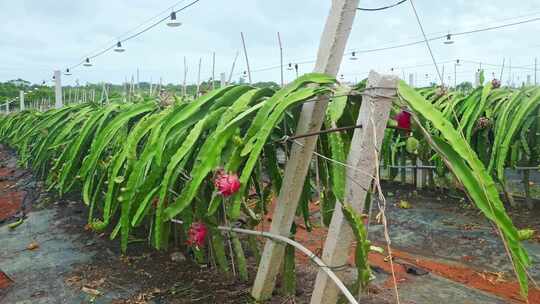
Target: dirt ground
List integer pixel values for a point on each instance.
(142, 276)
(444, 252)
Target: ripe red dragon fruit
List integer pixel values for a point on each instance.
(496, 83)
(227, 184)
(197, 234)
(403, 119)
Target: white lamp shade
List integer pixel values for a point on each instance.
(119, 48)
(173, 22)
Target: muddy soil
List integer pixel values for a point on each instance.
(52, 257)
(436, 254)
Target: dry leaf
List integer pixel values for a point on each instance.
(32, 246)
(90, 291)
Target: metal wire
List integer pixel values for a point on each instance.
(144, 30)
(336, 161)
(381, 8)
(280, 238)
(427, 42)
(403, 45)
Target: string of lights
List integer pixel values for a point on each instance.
(172, 22)
(440, 34)
(447, 37)
(136, 28)
(152, 23)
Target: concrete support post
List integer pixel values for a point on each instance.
(332, 46)
(21, 99)
(223, 80)
(58, 103)
(421, 176)
(362, 164)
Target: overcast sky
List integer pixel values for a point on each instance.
(38, 36)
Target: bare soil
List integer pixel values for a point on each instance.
(148, 276)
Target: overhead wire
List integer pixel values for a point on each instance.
(135, 28)
(427, 42)
(381, 8)
(359, 51)
(407, 44)
(132, 36)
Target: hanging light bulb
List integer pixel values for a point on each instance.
(119, 48)
(87, 63)
(449, 39)
(289, 67)
(67, 73)
(353, 56)
(173, 22)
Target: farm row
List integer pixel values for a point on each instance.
(214, 160)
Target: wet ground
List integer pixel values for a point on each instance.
(444, 252)
(451, 239)
(443, 248)
(51, 258)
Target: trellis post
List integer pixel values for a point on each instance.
(223, 80)
(21, 100)
(330, 54)
(362, 164)
(199, 79)
(58, 103)
(421, 173)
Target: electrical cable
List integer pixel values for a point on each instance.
(136, 28)
(381, 8)
(427, 42)
(144, 30)
(496, 27)
(402, 45)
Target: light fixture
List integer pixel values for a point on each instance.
(290, 67)
(87, 62)
(353, 56)
(458, 63)
(67, 73)
(449, 39)
(341, 77)
(173, 22)
(119, 48)
(244, 74)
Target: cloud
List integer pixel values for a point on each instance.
(40, 36)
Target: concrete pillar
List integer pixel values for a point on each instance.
(58, 103)
(21, 99)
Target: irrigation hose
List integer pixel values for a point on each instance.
(304, 250)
